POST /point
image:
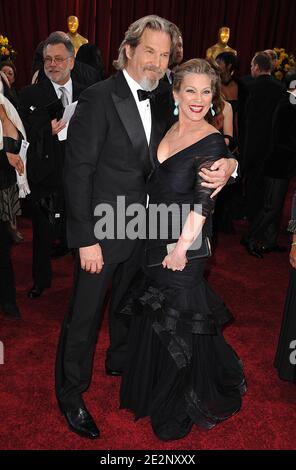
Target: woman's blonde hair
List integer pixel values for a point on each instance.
(201, 66)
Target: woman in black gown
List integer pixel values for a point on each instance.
(180, 371)
(285, 359)
(10, 162)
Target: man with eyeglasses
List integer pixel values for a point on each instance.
(41, 109)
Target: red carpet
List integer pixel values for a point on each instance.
(253, 289)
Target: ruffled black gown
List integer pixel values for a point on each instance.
(180, 371)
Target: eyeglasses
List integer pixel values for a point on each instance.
(56, 60)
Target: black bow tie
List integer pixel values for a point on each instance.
(146, 95)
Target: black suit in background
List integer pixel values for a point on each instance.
(45, 161)
(107, 155)
(264, 95)
(279, 168)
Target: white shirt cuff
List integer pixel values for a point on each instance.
(235, 173)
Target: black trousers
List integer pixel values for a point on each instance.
(266, 225)
(81, 324)
(7, 282)
(43, 236)
(46, 229)
(254, 188)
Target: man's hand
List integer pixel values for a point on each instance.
(218, 175)
(91, 258)
(57, 126)
(16, 162)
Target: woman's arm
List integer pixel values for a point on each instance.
(9, 130)
(195, 220)
(227, 122)
(177, 260)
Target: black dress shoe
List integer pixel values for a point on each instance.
(10, 310)
(35, 292)
(112, 372)
(252, 248)
(81, 422)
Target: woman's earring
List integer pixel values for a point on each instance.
(212, 110)
(176, 110)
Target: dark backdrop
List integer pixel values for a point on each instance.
(254, 24)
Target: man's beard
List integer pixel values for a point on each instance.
(147, 84)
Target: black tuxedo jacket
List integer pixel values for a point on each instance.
(107, 156)
(265, 92)
(282, 160)
(45, 155)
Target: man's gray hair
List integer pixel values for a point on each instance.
(58, 38)
(134, 33)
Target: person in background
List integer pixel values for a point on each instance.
(91, 55)
(11, 134)
(285, 362)
(265, 93)
(9, 69)
(273, 57)
(46, 155)
(14, 205)
(81, 73)
(280, 167)
(176, 58)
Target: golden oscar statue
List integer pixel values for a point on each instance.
(77, 39)
(221, 46)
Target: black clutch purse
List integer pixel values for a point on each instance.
(155, 255)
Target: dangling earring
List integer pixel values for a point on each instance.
(176, 110)
(212, 110)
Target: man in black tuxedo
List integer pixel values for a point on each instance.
(41, 111)
(264, 95)
(111, 148)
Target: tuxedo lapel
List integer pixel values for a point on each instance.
(161, 112)
(157, 131)
(129, 115)
(48, 90)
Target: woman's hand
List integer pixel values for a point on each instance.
(292, 256)
(16, 162)
(176, 260)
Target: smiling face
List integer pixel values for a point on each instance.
(147, 63)
(57, 63)
(194, 97)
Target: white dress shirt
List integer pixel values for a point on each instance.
(68, 90)
(143, 106)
